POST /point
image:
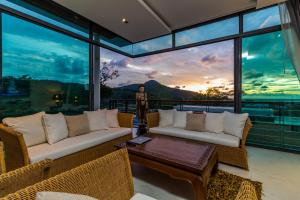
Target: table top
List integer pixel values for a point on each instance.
(186, 154)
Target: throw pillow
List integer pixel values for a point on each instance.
(61, 196)
(77, 125)
(166, 117)
(97, 120)
(180, 119)
(112, 118)
(214, 122)
(195, 122)
(234, 123)
(30, 126)
(55, 127)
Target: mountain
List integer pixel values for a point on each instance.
(155, 90)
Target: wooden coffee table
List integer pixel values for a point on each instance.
(179, 158)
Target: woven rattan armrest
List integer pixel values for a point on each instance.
(25, 176)
(15, 149)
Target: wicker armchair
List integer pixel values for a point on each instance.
(236, 156)
(16, 153)
(108, 177)
(25, 176)
(246, 192)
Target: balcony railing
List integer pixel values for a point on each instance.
(276, 124)
(129, 105)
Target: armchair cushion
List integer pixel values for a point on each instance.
(30, 126)
(139, 196)
(61, 196)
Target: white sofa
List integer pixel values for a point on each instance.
(231, 148)
(66, 153)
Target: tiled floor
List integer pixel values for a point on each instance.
(278, 171)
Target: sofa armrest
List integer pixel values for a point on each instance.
(248, 126)
(15, 149)
(23, 177)
(246, 192)
(125, 120)
(152, 119)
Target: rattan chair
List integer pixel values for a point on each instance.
(108, 177)
(25, 176)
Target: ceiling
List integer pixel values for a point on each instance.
(152, 18)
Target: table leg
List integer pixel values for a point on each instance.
(199, 189)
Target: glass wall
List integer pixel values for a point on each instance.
(40, 14)
(185, 79)
(209, 31)
(41, 70)
(156, 44)
(261, 19)
(271, 92)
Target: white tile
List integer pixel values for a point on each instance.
(278, 171)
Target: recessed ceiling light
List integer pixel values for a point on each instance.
(124, 20)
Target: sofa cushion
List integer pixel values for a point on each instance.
(215, 138)
(30, 126)
(61, 196)
(166, 117)
(77, 125)
(97, 120)
(214, 122)
(112, 118)
(234, 123)
(55, 127)
(180, 118)
(195, 122)
(139, 196)
(74, 144)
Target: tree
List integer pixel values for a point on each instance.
(108, 73)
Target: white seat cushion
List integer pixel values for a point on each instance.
(61, 196)
(74, 144)
(214, 138)
(139, 196)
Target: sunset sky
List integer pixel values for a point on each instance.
(194, 69)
